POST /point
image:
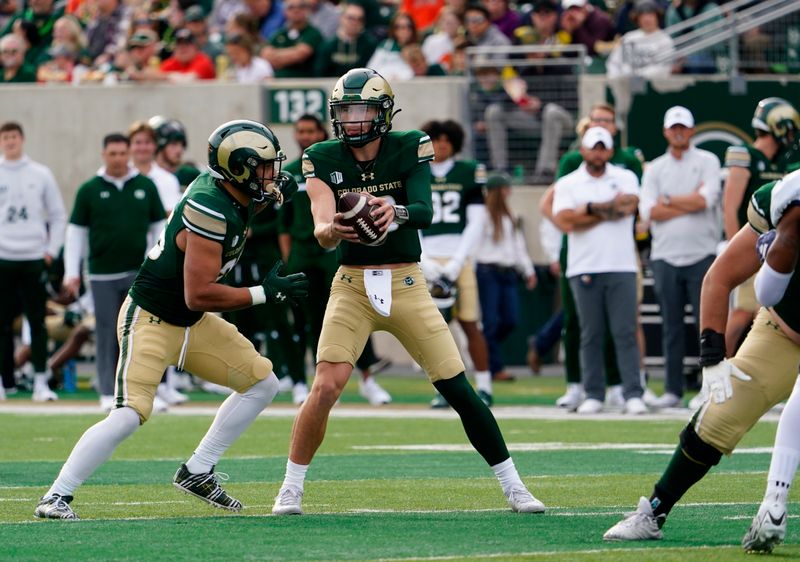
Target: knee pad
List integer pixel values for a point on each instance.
(697, 449)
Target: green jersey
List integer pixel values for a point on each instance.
(117, 220)
(630, 158)
(400, 171)
(285, 38)
(762, 215)
(452, 193)
(208, 211)
(761, 169)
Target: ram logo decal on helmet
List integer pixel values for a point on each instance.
(777, 117)
(366, 88)
(235, 152)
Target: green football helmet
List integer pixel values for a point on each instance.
(167, 131)
(777, 117)
(363, 97)
(235, 151)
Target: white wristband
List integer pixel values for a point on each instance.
(257, 294)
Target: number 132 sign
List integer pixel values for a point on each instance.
(288, 105)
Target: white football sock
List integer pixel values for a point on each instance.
(483, 381)
(507, 474)
(786, 454)
(94, 448)
(295, 475)
(235, 415)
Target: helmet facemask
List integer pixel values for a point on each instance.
(370, 116)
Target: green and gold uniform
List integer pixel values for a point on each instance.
(155, 321)
(451, 194)
(285, 38)
(400, 171)
(629, 158)
(762, 171)
(767, 354)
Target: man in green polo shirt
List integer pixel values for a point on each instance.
(291, 49)
(13, 68)
(117, 215)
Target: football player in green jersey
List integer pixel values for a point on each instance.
(457, 193)
(381, 287)
(165, 320)
(744, 387)
(171, 143)
(776, 123)
(302, 252)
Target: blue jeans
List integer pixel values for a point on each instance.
(497, 290)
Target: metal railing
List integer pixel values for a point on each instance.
(523, 103)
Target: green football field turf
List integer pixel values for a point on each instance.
(402, 487)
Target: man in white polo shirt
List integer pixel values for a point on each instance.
(680, 197)
(595, 205)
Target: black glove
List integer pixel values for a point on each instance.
(712, 347)
(278, 288)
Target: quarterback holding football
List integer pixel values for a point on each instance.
(379, 285)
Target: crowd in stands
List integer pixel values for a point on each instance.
(110, 41)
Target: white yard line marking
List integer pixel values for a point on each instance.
(367, 412)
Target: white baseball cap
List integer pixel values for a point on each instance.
(597, 135)
(567, 4)
(678, 115)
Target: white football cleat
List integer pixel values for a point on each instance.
(768, 528)
(43, 394)
(639, 525)
(299, 393)
(649, 397)
(522, 501)
(571, 398)
(288, 502)
(590, 406)
(373, 392)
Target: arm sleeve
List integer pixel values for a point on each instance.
(56, 216)
(771, 285)
(562, 199)
(418, 189)
(76, 241)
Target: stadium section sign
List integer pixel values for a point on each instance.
(285, 106)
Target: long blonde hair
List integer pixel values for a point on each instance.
(497, 207)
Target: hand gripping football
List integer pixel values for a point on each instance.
(356, 213)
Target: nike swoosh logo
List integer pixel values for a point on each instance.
(778, 521)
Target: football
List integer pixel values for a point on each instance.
(356, 213)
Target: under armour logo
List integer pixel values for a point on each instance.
(368, 176)
(155, 320)
(346, 277)
(280, 297)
